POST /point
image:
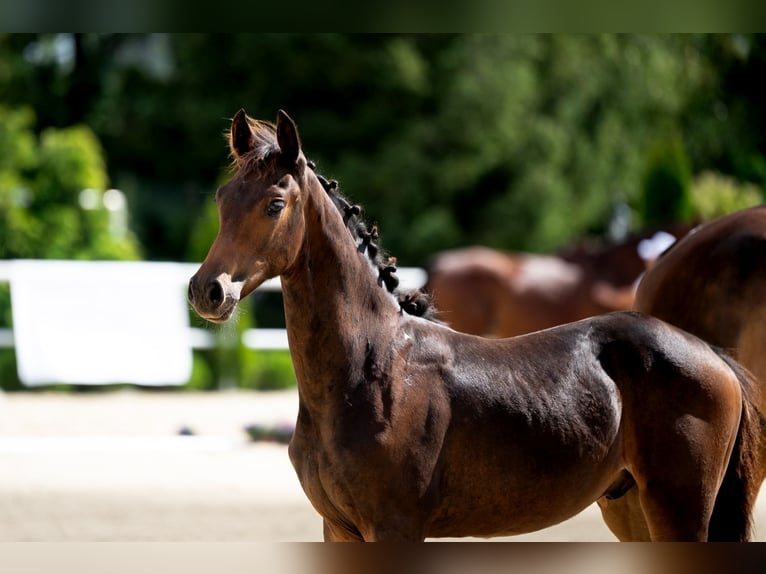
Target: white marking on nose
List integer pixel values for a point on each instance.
(230, 288)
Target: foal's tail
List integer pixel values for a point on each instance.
(732, 514)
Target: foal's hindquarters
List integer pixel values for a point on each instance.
(686, 432)
(727, 483)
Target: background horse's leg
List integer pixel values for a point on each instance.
(750, 349)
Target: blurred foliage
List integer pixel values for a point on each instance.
(523, 142)
(715, 195)
(230, 364)
(248, 369)
(667, 196)
(517, 141)
(41, 181)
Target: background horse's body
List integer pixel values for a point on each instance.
(408, 429)
(485, 292)
(713, 283)
(710, 283)
(494, 293)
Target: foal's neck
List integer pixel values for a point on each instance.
(334, 308)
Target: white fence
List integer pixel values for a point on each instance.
(98, 322)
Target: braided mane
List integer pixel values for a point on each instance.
(411, 301)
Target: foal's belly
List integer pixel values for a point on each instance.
(523, 477)
(521, 492)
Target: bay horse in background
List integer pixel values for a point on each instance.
(711, 283)
(407, 429)
(492, 293)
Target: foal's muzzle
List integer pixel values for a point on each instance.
(214, 299)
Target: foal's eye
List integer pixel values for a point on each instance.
(275, 207)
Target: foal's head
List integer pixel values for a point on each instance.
(261, 224)
(262, 227)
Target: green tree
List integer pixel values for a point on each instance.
(667, 196)
(722, 123)
(528, 141)
(715, 195)
(44, 210)
(516, 141)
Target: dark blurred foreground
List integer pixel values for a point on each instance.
(79, 558)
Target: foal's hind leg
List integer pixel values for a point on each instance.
(678, 476)
(663, 511)
(675, 513)
(625, 517)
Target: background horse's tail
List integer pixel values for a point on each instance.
(732, 515)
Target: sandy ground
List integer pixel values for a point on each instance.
(112, 466)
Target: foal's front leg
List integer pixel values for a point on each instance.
(380, 533)
(392, 535)
(336, 533)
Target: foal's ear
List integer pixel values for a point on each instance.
(241, 136)
(287, 138)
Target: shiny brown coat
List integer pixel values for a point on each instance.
(407, 429)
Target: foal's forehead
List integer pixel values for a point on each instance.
(253, 173)
(259, 163)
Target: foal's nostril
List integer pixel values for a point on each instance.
(215, 293)
(190, 294)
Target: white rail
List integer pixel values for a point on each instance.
(256, 339)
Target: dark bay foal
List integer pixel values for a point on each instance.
(407, 429)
